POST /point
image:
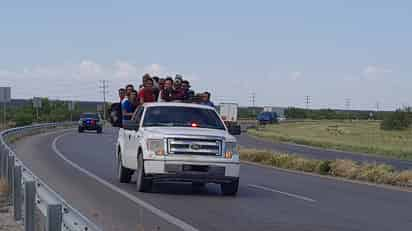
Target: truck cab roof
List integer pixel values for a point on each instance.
(175, 104)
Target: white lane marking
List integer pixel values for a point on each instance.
(169, 218)
(283, 193)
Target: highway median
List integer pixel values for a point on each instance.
(342, 168)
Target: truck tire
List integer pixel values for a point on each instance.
(198, 184)
(142, 183)
(99, 130)
(80, 129)
(230, 189)
(123, 174)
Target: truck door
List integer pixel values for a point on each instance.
(132, 139)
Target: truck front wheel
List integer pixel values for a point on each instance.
(123, 174)
(142, 183)
(230, 189)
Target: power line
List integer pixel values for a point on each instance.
(104, 86)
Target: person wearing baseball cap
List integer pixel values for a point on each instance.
(179, 77)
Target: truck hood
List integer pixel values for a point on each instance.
(183, 131)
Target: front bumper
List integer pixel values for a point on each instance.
(190, 171)
(89, 127)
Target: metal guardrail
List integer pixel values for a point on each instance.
(28, 194)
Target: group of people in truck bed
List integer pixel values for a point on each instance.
(155, 89)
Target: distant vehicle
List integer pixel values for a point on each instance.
(268, 109)
(177, 142)
(280, 119)
(90, 121)
(229, 114)
(267, 117)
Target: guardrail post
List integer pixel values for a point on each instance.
(3, 166)
(10, 177)
(29, 205)
(6, 167)
(2, 151)
(17, 193)
(54, 217)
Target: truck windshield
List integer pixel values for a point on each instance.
(169, 116)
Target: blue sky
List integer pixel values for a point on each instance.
(282, 50)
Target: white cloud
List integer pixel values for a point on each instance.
(192, 77)
(295, 75)
(125, 70)
(80, 81)
(89, 69)
(374, 71)
(75, 81)
(155, 69)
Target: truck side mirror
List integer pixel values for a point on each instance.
(130, 125)
(234, 129)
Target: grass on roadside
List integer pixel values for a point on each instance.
(357, 136)
(374, 173)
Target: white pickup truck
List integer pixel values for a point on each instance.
(177, 142)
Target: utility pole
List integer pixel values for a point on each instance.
(347, 106)
(377, 106)
(347, 103)
(253, 102)
(5, 114)
(253, 99)
(104, 86)
(5, 97)
(37, 103)
(307, 101)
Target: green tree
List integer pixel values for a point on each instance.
(399, 120)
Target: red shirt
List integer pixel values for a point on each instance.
(180, 94)
(147, 95)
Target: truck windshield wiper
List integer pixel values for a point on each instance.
(177, 124)
(159, 124)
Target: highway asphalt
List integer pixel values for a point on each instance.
(248, 141)
(268, 199)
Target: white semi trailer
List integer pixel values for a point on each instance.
(229, 114)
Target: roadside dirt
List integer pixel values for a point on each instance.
(7, 222)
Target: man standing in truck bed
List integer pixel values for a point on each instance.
(146, 94)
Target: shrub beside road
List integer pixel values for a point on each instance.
(358, 136)
(374, 173)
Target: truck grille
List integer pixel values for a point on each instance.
(187, 146)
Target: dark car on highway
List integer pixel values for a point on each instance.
(90, 121)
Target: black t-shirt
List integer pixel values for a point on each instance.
(167, 95)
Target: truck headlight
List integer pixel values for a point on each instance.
(156, 147)
(230, 150)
